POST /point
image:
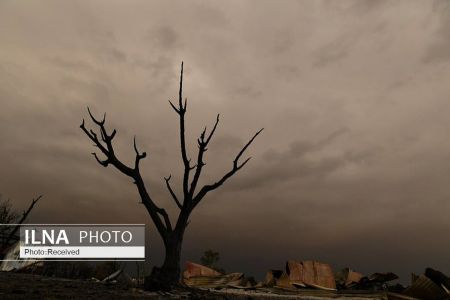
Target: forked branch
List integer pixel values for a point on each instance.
(202, 148)
(24, 216)
(106, 147)
(190, 201)
(181, 110)
(189, 198)
(139, 156)
(236, 167)
(172, 193)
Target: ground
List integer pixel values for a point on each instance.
(28, 286)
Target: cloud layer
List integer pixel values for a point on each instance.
(353, 167)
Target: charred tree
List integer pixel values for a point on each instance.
(168, 275)
(8, 216)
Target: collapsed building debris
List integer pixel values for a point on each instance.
(224, 280)
(433, 285)
(347, 278)
(193, 270)
(424, 288)
(307, 274)
(272, 276)
(439, 279)
(297, 276)
(376, 281)
(197, 275)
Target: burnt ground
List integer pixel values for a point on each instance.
(29, 286)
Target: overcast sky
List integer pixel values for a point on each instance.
(353, 167)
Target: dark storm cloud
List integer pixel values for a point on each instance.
(353, 96)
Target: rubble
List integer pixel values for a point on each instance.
(284, 282)
(433, 285)
(425, 288)
(272, 276)
(215, 281)
(382, 277)
(298, 276)
(307, 274)
(197, 275)
(376, 281)
(438, 278)
(347, 278)
(193, 269)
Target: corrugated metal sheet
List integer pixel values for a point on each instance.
(424, 288)
(353, 277)
(284, 281)
(438, 278)
(272, 276)
(295, 271)
(233, 279)
(193, 269)
(309, 273)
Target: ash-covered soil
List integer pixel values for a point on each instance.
(29, 286)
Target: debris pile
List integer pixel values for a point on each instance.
(347, 279)
(307, 274)
(433, 285)
(298, 276)
(376, 281)
(195, 270)
(197, 275)
(272, 276)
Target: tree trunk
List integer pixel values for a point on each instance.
(167, 276)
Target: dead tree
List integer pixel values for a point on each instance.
(172, 234)
(8, 216)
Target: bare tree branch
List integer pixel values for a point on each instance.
(99, 123)
(138, 156)
(180, 92)
(22, 219)
(172, 193)
(104, 163)
(236, 160)
(186, 202)
(236, 167)
(108, 150)
(202, 148)
(173, 106)
(181, 110)
(165, 216)
(213, 130)
(27, 212)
